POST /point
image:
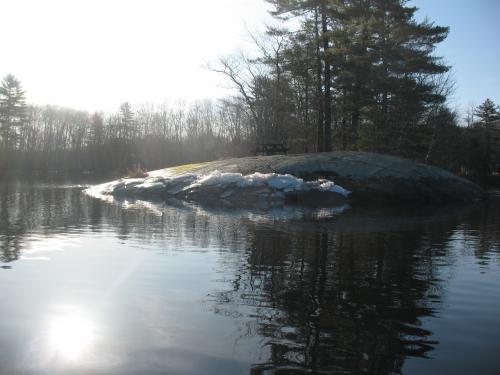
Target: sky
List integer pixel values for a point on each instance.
(97, 54)
(472, 48)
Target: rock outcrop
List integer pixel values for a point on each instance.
(359, 177)
(369, 176)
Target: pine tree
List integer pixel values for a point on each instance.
(488, 111)
(374, 65)
(12, 111)
(315, 17)
(127, 123)
(402, 59)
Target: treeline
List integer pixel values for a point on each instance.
(329, 75)
(62, 140)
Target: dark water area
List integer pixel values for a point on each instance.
(94, 287)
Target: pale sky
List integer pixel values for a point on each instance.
(96, 54)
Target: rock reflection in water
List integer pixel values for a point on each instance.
(325, 292)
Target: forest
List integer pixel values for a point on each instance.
(327, 75)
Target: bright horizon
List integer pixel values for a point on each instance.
(95, 55)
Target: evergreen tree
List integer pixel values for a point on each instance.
(488, 111)
(374, 65)
(12, 111)
(315, 29)
(127, 123)
(389, 64)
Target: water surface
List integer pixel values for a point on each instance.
(93, 287)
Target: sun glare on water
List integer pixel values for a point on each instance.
(71, 335)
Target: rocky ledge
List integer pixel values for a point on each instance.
(330, 178)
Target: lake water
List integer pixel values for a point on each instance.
(93, 287)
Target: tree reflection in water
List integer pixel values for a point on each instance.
(329, 302)
(340, 295)
(332, 298)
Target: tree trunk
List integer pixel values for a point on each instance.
(319, 92)
(327, 83)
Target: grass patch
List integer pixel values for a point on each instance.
(188, 167)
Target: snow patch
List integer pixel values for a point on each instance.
(217, 185)
(285, 183)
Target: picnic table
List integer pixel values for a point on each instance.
(271, 149)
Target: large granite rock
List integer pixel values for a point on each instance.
(371, 178)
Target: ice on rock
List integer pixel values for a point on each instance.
(276, 182)
(339, 190)
(216, 184)
(284, 182)
(217, 178)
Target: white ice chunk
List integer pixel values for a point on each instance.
(262, 184)
(286, 181)
(339, 190)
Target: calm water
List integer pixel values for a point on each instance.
(89, 287)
